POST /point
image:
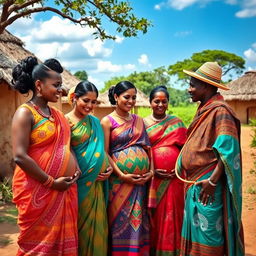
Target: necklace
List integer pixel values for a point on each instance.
(40, 112)
(123, 117)
(158, 120)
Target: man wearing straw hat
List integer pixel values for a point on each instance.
(210, 166)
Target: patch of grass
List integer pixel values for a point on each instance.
(185, 113)
(12, 211)
(251, 190)
(8, 219)
(6, 191)
(4, 241)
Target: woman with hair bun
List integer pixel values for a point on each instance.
(87, 141)
(127, 143)
(44, 182)
(167, 135)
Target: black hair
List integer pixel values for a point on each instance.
(28, 71)
(118, 89)
(84, 87)
(160, 88)
(54, 64)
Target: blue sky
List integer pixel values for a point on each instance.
(180, 28)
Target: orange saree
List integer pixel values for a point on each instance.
(47, 218)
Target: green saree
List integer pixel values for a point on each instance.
(87, 140)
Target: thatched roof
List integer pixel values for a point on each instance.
(12, 51)
(141, 100)
(243, 88)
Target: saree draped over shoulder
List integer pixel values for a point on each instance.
(166, 197)
(87, 140)
(47, 218)
(128, 219)
(214, 229)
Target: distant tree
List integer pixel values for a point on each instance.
(145, 81)
(84, 12)
(230, 63)
(82, 75)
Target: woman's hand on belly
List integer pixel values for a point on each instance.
(105, 175)
(63, 183)
(136, 179)
(164, 174)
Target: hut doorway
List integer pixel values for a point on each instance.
(251, 113)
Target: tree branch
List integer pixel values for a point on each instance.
(83, 21)
(17, 7)
(5, 13)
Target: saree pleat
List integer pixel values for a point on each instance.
(87, 142)
(47, 218)
(166, 197)
(128, 219)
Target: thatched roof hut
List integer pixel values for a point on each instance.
(104, 107)
(11, 51)
(242, 96)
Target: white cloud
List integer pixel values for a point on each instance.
(95, 47)
(181, 4)
(254, 45)
(251, 68)
(158, 6)
(250, 55)
(107, 66)
(231, 2)
(119, 39)
(248, 7)
(143, 59)
(59, 38)
(97, 82)
(246, 13)
(182, 33)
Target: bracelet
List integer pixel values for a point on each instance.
(49, 182)
(212, 183)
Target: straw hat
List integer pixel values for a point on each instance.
(209, 72)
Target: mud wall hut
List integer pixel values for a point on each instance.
(242, 96)
(11, 52)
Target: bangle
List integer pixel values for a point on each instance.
(49, 182)
(212, 183)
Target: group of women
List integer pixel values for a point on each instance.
(88, 188)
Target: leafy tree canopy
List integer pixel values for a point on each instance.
(82, 75)
(146, 81)
(230, 63)
(84, 12)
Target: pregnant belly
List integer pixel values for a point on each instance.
(71, 166)
(132, 160)
(165, 157)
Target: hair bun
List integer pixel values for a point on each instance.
(28, 64)
(22, 75)
(54, 65)
(163, 86)
(111, 95)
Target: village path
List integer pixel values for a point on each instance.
(10, 231)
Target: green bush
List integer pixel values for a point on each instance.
(185, 113)
(6, 191)
(253, 124)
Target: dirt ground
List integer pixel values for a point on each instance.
(9, 231)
